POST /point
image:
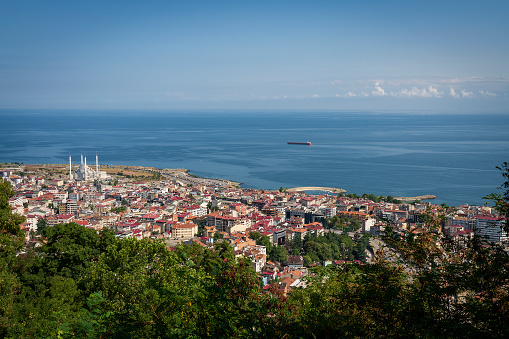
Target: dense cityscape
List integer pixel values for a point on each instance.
(181, 208)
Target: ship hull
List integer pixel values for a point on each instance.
(299, 143)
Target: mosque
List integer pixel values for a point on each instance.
(85, 173)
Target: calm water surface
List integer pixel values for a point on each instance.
(451, 156)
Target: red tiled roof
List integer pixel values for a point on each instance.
(150, 216)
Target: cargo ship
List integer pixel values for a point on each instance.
(299, 143)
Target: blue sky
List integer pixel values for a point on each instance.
(346, 55)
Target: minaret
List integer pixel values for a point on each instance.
(70, 174)
(96, 164)
(82, 158)
(85, 179)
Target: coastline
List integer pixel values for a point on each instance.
(184, 175)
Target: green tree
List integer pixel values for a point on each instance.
(190, 291)
(70, 249)
(11, 241)
(296, 245)
(262, 240)
(201, 225)
(307, 260)
(279, 253)
(361, 245)
(355, 301)
(265, 241)
(11, 235)
(255, 236)
(501, 200)
(118, 209)
(217, 236)
(42, 223)
(94, 319)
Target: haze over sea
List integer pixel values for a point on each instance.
(451, 156)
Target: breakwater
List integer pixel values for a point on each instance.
(419, 197)
(324, 189)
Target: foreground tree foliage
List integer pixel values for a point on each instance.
(81, 283)
(332, 246)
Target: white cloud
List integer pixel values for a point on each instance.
(466, 94)
(335, 82)
(428, 92)
(463, 93)
(347, 95)
(487, 93)
(379, 91)
(453, 93)
(434, 92)
(409, 93)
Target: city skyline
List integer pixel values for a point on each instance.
(434, 56)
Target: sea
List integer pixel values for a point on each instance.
(452, 156)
